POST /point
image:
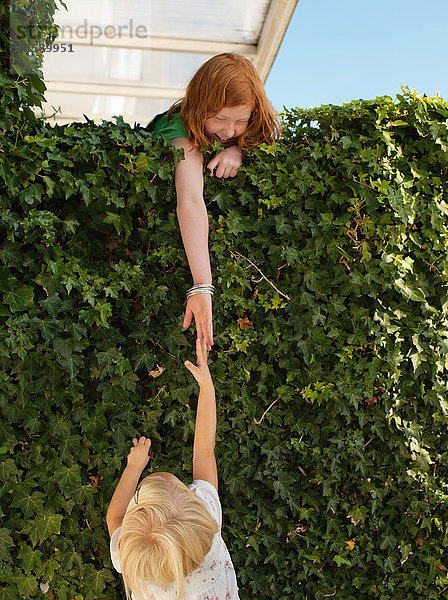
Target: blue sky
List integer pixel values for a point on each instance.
(335, 51)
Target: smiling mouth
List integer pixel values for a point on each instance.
(221, 139)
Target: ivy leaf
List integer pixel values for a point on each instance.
(52, 304)
(95, 580)
(410, 290)
(50, 567)
(143, 358)
(27, 585)
(70, 225)
(62, 347)
(6, 281)
(7, 434)
(8, 470)
(43, 527)
(112, 394)
(5, 542)
(19, 298)
(49, 183)
(82, 493)
(10, 592)
(282, 484)
(31, 559)
(342, 560)
(73, 364)
(68, 477)
(70, 558)
(29, 504)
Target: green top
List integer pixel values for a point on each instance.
(170, 128)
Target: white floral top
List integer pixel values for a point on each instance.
(215, 578)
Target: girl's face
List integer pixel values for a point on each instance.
(229, 123)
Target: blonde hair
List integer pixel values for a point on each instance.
(165, 535)
(227, 80)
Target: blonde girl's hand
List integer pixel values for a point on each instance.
(226, 163)
(138, 457)
(200, 371)
(200, 306)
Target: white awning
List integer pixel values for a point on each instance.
(135, 57)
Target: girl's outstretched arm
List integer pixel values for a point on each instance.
(204, 462)
(137, 461)
(193, 223)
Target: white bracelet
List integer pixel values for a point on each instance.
(201, 288)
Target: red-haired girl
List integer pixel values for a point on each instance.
(226, 102)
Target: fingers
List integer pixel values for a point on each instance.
(191, 367)
(201, 351)
(205, 333)
(212, 164)
(222, 171)
(227, 173)
(222, 168)
(200, 306)
(210, 336)
(187, 318)
(142, 441)
(201, 354)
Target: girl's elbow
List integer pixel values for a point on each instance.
(189, 202)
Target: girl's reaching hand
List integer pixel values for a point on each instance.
(138, 457)
(200, 372)
(227, 162)
(200, 305)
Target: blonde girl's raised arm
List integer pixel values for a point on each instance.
(137, 460)
(204, 462)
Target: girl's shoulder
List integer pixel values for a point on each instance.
(170, 127)
(208, 495)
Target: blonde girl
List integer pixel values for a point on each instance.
(165, 536)
(225, 102)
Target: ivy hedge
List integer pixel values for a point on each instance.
(329, 252)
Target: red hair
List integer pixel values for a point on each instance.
(227, 80)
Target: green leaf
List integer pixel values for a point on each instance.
(5, 542)
(31, 559)
(410, 290)
(49, 183)
(19, 298)
(70, 225)
(27, 585)
(73, 364)
(8, 470)
(342, 560)
(68, 477)
(50, 567)
(43, 527)
(62, 347)
(95, 580)
(10, 592)
(282, 484)
(82, 493)
(29, 503)
(7, 433)
(52, 304)
(6, 280)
